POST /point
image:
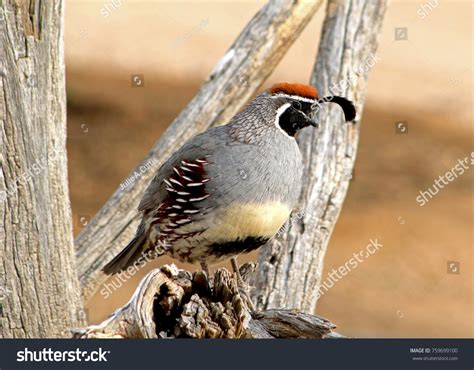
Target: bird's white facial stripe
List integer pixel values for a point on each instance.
(296, 97)
(280, 111)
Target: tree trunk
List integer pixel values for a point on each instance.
(244, 67)
(39, 289)
(290, 268)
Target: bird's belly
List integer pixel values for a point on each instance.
(240, 221)
(241, 228)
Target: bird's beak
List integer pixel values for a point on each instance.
(314, 123)
(311, 120)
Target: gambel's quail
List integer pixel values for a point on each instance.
(231, 188)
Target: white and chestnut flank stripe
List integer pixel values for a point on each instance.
(185, 187)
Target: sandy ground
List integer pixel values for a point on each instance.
(402, 290)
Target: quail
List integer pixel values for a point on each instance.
(230, 189)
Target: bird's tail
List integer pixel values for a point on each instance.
(134, 250)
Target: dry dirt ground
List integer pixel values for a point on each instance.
(403, 290)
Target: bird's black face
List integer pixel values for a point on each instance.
(297, 112)
(296, 116)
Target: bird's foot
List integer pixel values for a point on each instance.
(244, 291)
(242, 285)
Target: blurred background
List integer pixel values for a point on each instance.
(416, 124)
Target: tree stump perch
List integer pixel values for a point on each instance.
(173, 303)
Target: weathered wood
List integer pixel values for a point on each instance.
(172, 303)
(244, 67)
(39, 288)
(290, 269)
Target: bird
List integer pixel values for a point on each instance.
(230, 189)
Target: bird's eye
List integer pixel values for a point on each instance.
(296, 105)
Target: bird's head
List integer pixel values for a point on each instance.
(297, 104)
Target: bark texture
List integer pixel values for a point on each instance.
(244, 67)
(39, 288)
(290, 268)
(172, 303)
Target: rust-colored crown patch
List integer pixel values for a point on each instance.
(305, 91)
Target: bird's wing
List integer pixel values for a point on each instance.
(181, 177)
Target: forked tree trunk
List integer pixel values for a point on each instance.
(39, 288)
(290, 269)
